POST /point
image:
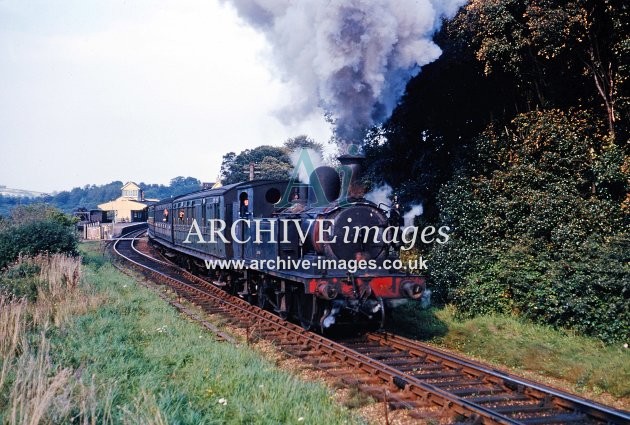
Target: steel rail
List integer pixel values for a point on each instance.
(540, 391)
(296, 337)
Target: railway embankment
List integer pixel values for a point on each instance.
(560, 358)
(96, 347)
(94, 344)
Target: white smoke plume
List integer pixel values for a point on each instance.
(353, 58)
(381, 195)
(409, 216)
(315, 158)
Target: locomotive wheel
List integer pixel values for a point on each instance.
(383, 314)
(307, 310)
(263, 299)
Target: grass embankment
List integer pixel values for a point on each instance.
(584, 364)
(118, 354)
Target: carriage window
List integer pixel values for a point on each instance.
(244, 203)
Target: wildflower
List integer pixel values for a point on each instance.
(223, 401)
(300, 419)
(625, 345)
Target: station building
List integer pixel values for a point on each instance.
(130, 207)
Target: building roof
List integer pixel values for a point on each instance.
(130, 186)
(123, 203)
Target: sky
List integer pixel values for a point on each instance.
(133, 90)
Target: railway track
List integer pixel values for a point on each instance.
(404, 373)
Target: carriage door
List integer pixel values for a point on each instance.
(243, 214)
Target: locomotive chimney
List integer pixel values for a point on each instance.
(350, 171)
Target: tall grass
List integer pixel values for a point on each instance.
(38, 390)
(12, 330)
(32, 389)
(144, 411)
(94, 348)
(165, 369)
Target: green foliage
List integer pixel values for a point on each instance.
(586, 364)
(178, 186)
(20, 280)
(134, 344)
(270, 162)
(7, 203)
(235, 168)
(34, 238)
(558, 51)
(302, 142)
(89, 196)
(501, 58)
(26, 214)
(275, 169)
(492, 143)
(35, 229)
(538, 227)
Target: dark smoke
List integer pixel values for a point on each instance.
(353, 58)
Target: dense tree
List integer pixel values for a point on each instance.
(181, 185)
(270, 162)
(302, 142)
(517, 138)
(235, 168)
(557, 51)
(449, 103)
(27, 214)
(538, 224)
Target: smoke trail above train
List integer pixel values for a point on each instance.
(351, 58)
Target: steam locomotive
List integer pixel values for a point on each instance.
(310, 252)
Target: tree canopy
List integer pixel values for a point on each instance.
(269, 162)
(89, 196)
(517, 139)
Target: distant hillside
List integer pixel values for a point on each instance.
(19, 193)
(90, 196)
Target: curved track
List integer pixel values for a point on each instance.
(405, 373)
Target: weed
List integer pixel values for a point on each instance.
(96, 348)
(587, 364)
(356, 399)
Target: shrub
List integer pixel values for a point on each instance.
(36, 237)
(32, 229)
(539, 227)
(20, 280)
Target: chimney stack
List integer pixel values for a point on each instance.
(351, 171)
